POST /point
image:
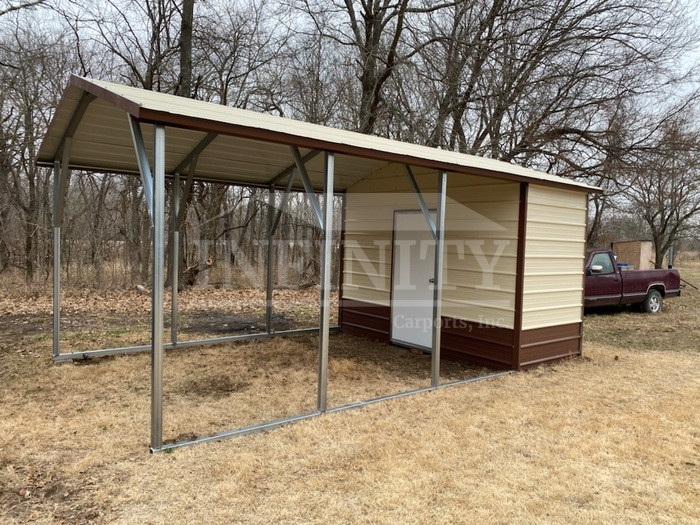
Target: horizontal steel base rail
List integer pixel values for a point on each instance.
(87, 354)
(270, 425)
(429, 388)
(239, 432)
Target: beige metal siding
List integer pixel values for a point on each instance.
(554, 248)
(481, 229)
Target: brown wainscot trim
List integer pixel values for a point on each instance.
(461, 340)
(476, 343)
(552, 343)
(372, 321)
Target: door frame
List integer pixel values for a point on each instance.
(391, 278)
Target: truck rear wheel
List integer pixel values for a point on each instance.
(653, 302)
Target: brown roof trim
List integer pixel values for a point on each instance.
(170, 175)
(116, 100)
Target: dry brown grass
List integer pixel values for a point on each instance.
(613, 437)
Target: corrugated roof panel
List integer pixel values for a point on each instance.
(252, 147)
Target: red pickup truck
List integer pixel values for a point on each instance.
(607, 284)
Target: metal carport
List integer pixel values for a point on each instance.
(106, 127)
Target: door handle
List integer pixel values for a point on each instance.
(431, 280)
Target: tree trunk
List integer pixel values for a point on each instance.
(659, 252)
(185, 87)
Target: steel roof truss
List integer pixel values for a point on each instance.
(199, 148)
(421, 201)
(308, 187)
(283, 204)
(142, 161)
(286, 171)
(186, 191)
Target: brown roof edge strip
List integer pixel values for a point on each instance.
(185, 122)
(170, 175)
(115, 99)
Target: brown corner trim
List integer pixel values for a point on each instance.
(520, 275)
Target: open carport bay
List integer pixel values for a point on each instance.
(610, 437)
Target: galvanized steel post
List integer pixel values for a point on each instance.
(157, 288)
(56, 264)
(270, 257)
(174, 255)
(56, 290)
(61, 174)
(326, 247)
(437, 278)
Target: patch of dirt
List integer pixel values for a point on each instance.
(220, 322)
(180, 437)
(115, 312)
(14, 325)
(31, 488)
(101, 361)
(214, 386)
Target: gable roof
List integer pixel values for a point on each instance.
(248, 147)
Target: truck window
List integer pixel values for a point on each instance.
(603, 259)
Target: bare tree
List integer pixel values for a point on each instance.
(141, 38)
(5, 203)
(30, 88)
(236, 45)
(374, 31)
(525, 80)
(551, 84)
(314, 85)
(664, 186)
(8, 7)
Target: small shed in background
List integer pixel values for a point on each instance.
(637, 255)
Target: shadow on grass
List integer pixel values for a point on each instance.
(612, 310)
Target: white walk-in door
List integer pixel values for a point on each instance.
(413, 268)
